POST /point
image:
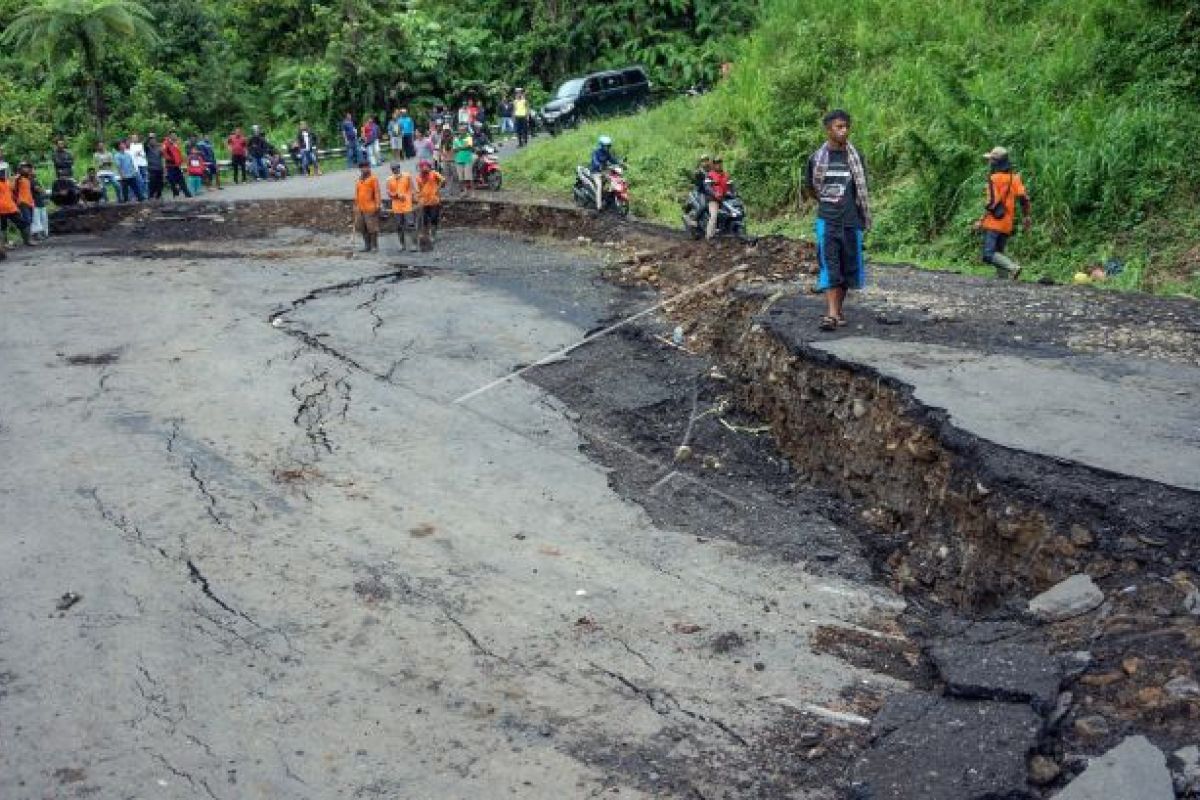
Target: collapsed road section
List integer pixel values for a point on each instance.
(947, 552)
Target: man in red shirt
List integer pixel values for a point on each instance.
(237, 153)
(173, 160)
(717, 187)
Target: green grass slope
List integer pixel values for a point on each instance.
(1096, 99)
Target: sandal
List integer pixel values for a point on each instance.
(840, 321)
(828, 323)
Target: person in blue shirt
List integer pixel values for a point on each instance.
(350, 139)
(407, 129)
(212, 176)
(602, 158)
(127, 173)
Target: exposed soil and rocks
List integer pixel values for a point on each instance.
(748, 420)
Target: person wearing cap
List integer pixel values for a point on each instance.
(429, 187)
(836, 177)
(521, 116)
(367, 202)
(401, 189)
(1004, 190)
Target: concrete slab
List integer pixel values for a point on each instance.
(1133, 417)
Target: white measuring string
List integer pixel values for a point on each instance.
(604, 332)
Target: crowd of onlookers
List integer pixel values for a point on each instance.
(134, 168)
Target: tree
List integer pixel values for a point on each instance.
(62, 28)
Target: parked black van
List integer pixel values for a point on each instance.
(595, 95)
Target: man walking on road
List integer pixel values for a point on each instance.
(836, 177)
(154, 167)
(173, 158)
(1004, 189)
(308, 150)
(367, 202)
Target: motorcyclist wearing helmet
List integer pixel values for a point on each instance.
(602, 158)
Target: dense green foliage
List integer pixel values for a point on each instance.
(74, 66)
(1097, 99)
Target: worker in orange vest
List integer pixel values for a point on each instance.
(429, 188)
(9, 211)
(400, 188)
(367, 202)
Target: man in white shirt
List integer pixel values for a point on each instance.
(138, 151)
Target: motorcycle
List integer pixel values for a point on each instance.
(615, 192)
(731, 216)
(487, 168)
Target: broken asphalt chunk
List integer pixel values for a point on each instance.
(937, 748)
(1007, 671)
(1074, 596)
(1133, 770)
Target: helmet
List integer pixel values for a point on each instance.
(364, 163)
(397, 166)
(604, 141)
(425, 165)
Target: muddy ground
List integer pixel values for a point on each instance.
(797, 546)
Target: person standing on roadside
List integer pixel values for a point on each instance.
(309, 163)
(464, 156)
(350, 139)
(237, 154)
(64, 162)
(401, 189)
(507, 124)
(131, 185)
(521, 116)
(836, 177)
(397, 146)
(103, 158)
(212, 173)
(258, 148)
(154, 167)
(196, 170)
(138, 152)
(173, 157)
(408, 129)
(367, 202)
(23, 190)
(429, 194)
(1004, 190)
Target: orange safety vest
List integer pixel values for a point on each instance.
(1003, 188)
(366, 195)
(400, 187)
(25, 191)
(8, 205)
(428, 187)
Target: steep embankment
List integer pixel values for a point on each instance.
(1096, 99)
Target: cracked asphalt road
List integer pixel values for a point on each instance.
(306, 573)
